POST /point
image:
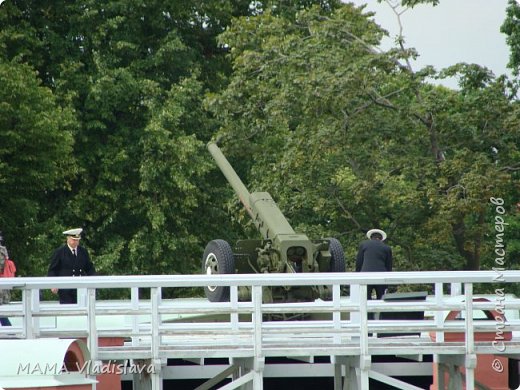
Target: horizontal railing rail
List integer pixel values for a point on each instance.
(272, 279)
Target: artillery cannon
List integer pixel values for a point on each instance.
(281, 249)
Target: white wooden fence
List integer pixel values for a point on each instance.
(157, 329)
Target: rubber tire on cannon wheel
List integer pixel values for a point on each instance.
(337, 256)
(218, 259)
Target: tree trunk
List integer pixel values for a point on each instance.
(472, 257)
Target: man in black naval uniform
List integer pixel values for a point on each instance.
(70, 260)
(374, 256)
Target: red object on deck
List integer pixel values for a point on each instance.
(492, 371)
(110, 379)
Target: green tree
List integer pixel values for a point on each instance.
(136, 73)
(347, 138)
(344, 136)
(117, 63)
(35, 158)
(511, 27)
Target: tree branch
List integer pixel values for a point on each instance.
(511, 168)
(348, 213)
(400, 38)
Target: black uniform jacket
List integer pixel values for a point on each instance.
(64, 263)
(374, 256)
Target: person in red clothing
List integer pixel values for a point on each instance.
(5, 295)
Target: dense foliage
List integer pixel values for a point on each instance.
(511, 27)
(106, 108)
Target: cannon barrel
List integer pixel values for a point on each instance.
(266, 215)
(231, 176)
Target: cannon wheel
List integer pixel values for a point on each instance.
(337, 256)
(218, 259)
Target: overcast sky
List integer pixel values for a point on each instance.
(454, 31)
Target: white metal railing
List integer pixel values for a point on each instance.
(159, 328)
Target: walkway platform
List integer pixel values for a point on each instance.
(157, 330)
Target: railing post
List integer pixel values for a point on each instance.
(134, 299)
(27, 314)
(92, 329)
(156, 376)
(439, 335)
(364, 357)
(234, 308)
(336, 321)
(336, 314)
(455, 289)
(259, 360)
(354, 297)
(82, 296)
(439, 314)
(92, 338)
(35, 304)
(338, 375)
(471, 358)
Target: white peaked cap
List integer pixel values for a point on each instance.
(372, 231)
(74, 233)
